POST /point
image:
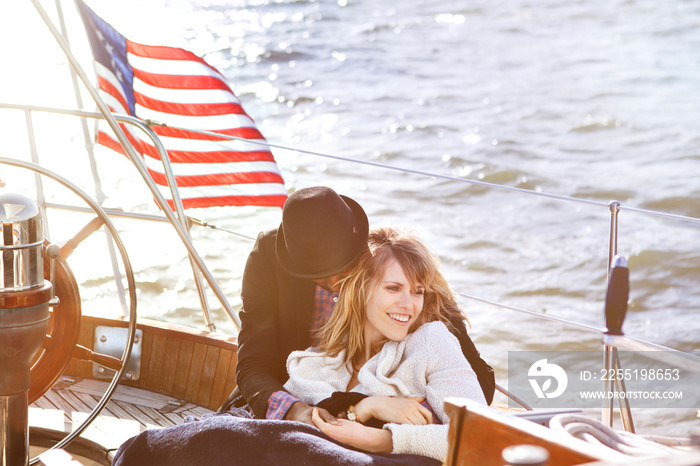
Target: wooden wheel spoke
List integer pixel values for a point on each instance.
(50, 343)
(104, 360)
(70, 245)
(85, 354)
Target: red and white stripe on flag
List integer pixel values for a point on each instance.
(175, 87)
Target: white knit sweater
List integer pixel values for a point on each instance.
(427, 363)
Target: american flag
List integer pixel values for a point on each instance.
(175, 87)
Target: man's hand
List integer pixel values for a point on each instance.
(301, 412)
(394, 409)
(355, 434)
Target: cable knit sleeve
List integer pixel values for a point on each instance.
(447, 372)
(313, 376)
(430, 440)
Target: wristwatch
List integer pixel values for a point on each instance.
(352, 414)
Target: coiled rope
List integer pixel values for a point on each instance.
(592, 431)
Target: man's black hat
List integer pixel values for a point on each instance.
(321, 233)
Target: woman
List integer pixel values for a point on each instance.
(388, 338)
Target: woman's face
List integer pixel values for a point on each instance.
(392, 307)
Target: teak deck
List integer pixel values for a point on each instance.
(129, 412)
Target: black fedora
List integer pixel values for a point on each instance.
(321, 233)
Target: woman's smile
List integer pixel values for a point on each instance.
(400, 317)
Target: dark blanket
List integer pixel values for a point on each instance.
(235, 438)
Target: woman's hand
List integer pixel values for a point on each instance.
(301, 412)
(355, 434)
(394, 409)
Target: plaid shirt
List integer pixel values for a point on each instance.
(280, 402)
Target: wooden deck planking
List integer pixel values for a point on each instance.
(53, 403)
(44, 403)
(218, 387)
(155, 363)
(231, 378)
(61, 403)
(114, 409)
(130, 412)
(183, 362)
(170, 367)
(147, 417)
(124, 393)
(206, 383)
(195, 372)
(76, 400)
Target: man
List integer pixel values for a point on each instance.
(290, 284)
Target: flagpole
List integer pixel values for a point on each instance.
(121, 292)
(138, 163)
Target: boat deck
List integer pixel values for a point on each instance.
(129, 412)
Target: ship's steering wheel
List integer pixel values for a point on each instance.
(60, 344)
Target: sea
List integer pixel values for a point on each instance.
(500, 131)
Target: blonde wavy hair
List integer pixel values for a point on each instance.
(344, 329)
